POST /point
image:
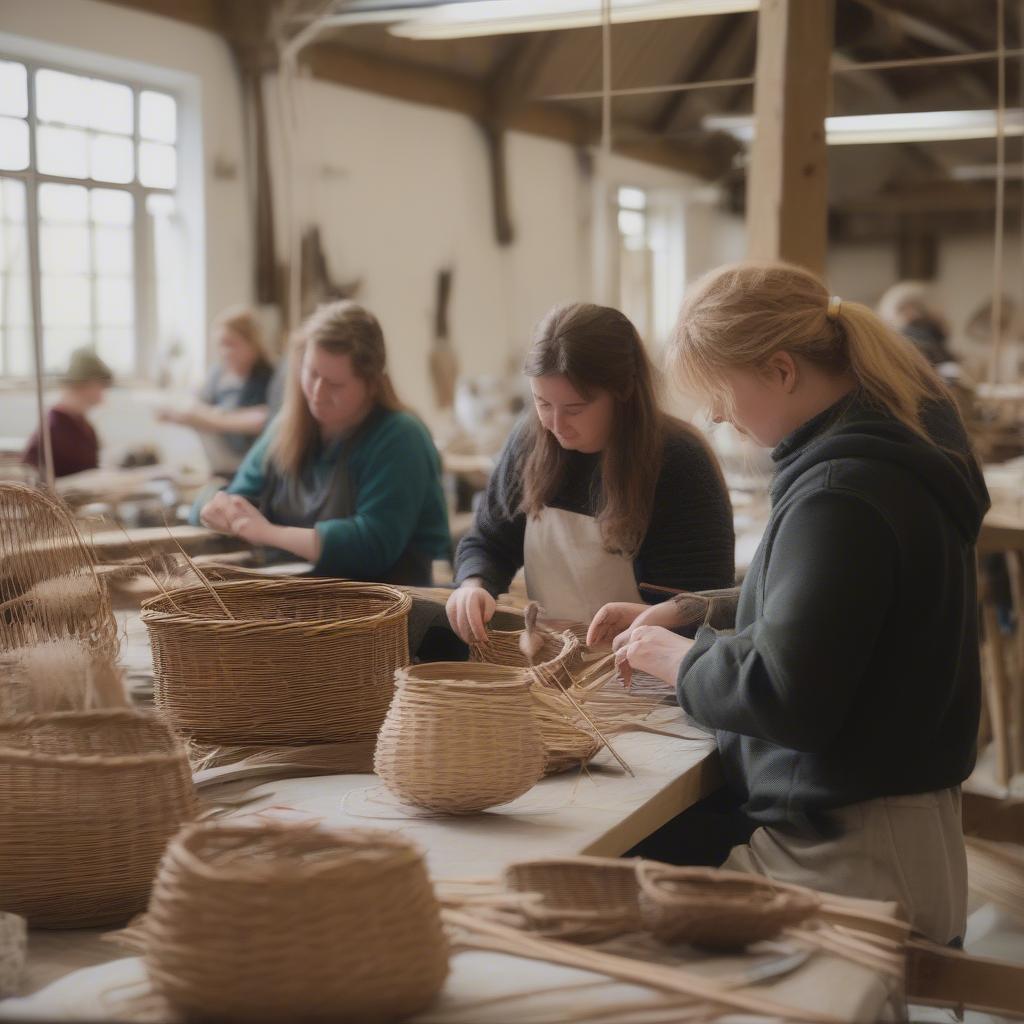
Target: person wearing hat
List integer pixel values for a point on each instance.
(72, 437)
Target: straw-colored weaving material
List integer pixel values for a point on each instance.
(88, 801)
(289, 923)
(49, 589)
(460, 737)
(301, 661)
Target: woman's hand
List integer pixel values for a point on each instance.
(215, 513)
(611, 620)
(469, 610)
(655, 651)
(235, 515)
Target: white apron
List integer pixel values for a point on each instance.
(568, 572)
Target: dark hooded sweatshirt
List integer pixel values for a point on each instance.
(853, 672)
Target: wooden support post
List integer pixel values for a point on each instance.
(787, 202)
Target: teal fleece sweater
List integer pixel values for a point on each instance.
(396, 476)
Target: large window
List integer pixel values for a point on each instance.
(88, 170)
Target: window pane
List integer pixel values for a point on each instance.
(632, 198)
(15, 308)
(62, 151)
(64, 249)
(112, 206)
(631, 223)
(113, 249)
(13, 89)
(110, 107)
(62, 97)
(12, 201)
(63, 204)
(116, 347)
(157, 165)
(158, 117)
(59, 343)
(111, 158)
(115, 306)
(19, 360)
(66, 302)
(13, 144)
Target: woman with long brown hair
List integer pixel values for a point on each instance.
(598, 491)
(845, 689)
(344, 477)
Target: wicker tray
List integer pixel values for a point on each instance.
(88, 801)
(287, 923)
(460, 737)
(303, 660)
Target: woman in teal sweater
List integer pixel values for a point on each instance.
(344, 477)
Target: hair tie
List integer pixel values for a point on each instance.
(834, 303)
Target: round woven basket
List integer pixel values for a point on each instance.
(49, 589)
(459, 737)
(303, 660)
(287, 923)
(568, 740)
(716, 909)
(580, 899)
(89, 800)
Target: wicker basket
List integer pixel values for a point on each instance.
(88, 801)
(568, 740)
(49, 589)
(717, 909)
(285, 922)
(460, 737)
(302, 661)
(580, 899)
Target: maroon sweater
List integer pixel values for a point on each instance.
(74, 442)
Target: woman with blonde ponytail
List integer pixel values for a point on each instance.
(845, 693)
(344, 477)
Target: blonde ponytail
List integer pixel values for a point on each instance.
(740, 315)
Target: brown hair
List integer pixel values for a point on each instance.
(339, 328)
(598, 349)
(740, 315)
(243, 322)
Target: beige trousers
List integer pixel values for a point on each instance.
(906, 849)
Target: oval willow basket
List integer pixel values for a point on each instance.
(717, 909)
(459, 737)
(88, 800)
(292, 922)
(579, 899)
(568, 740)
(301, 661)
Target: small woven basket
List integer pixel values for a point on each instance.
(287, 923)
(580, 899)
(568, 741)
(88, 801)
(717, 909)
(49, 589)
(302, 661)
(459, 737)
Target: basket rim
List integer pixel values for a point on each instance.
(518, 682)
(570, 643)
(650, 873)
(152, 615)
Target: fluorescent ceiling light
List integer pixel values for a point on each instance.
(866, 129)
(986, 172)
(499, 17)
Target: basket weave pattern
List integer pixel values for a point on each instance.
(717, 909)
(88, 801)
(285, 922)
(459, 737)
(302, 660)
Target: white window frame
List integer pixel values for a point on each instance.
(144, 292)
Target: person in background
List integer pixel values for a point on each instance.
(345, 477)
(232, 406)
(907, 307)
(845, 691)
(73, 440)
(597, 491)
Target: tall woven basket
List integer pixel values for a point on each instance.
(88, 801)
(301, 661)
(459, 737)
(568, 739)
(49, 589)
(285, 922)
